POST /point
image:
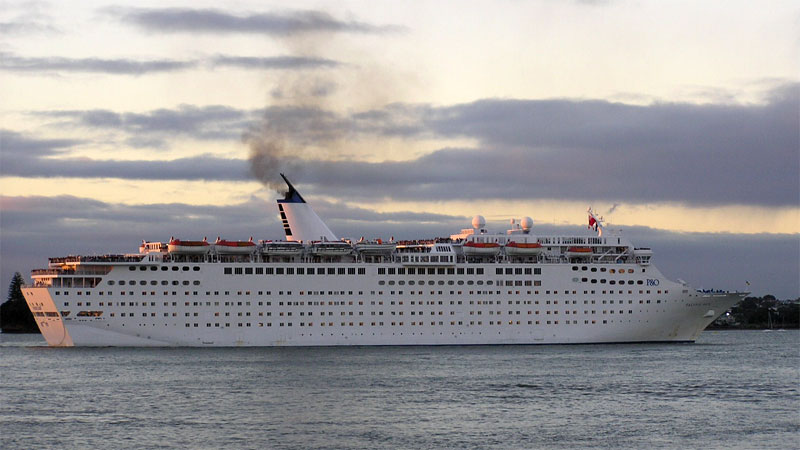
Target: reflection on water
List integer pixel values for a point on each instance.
(731, 389)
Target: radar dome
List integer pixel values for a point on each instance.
(478, 222)
(527, 224)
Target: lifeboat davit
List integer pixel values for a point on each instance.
(224, 247)
(282, 248)
(579, 252)
(523, 248)
(180, 247)
(481, 248)
(330, 248)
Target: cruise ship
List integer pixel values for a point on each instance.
(314, 289)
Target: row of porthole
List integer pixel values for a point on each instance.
(164, 268)
(602, 269)
(431, 282)
(154, 282)
(603, 281)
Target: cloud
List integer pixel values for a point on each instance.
(212, 122)
(17, 144)
(27, 18)
(35, 228)
(120, 66)
(540, 149)
(14, 63)
(274, 62)
(176, 20)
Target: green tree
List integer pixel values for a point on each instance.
(15, 316)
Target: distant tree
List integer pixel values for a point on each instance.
(15, 288)
(15, 316)
(762, 312)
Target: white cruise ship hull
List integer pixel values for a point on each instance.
(203, 306)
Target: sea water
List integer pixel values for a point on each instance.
(731, 389)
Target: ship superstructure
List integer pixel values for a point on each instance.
(474, 287)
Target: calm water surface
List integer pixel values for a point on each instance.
(732, 389)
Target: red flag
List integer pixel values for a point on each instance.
(591, 221)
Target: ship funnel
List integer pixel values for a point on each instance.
(300, 222)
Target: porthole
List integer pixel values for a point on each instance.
(185, 268)
(196, 268)
(111, 282)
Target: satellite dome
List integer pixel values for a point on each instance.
(478, 222)
(527, 224)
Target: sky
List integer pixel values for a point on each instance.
(677, 121)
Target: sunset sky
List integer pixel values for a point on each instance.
(679, 121)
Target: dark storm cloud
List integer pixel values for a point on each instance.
(175, 20)
(15, 63)
(35, 228)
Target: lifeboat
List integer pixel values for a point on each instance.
(377, 247)
(282, 248)
(330, 248)
(224, 247)
(481, 248)
(578, 252)
(180, 247)
(523, 248)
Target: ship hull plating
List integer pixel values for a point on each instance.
(214, 304)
